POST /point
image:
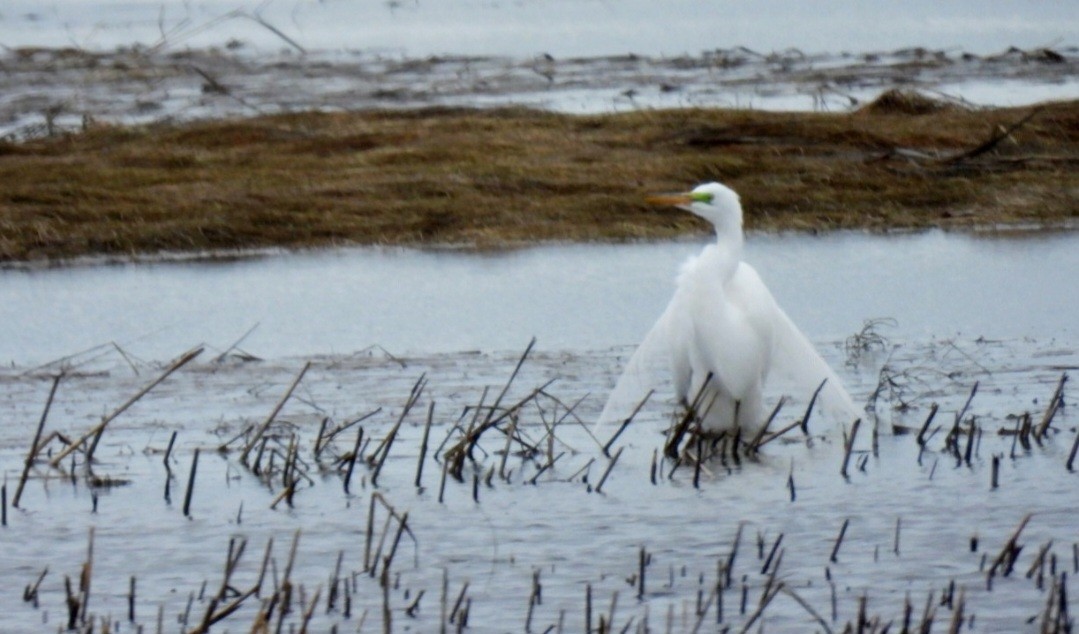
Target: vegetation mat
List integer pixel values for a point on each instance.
(500, 177)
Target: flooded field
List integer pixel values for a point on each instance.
(964, 521)
(306, 467)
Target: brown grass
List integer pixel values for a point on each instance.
(496, 177)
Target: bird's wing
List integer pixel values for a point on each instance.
(643, 373)
(800, 369)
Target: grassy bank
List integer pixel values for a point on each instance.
(490, 178)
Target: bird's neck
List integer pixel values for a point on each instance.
(730, 245)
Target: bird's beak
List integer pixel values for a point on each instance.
(670, 200)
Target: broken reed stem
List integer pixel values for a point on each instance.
(607, 472)
(925, 427)
(383, 450)
(772, 554)
(758, 440)
(369, 535)
(276, 31)
(213, 614)
(809, 408)
(1071, 456)
(850, 447)
(349, 425)
(678, 431)
(273, 414)
(513, 375)
(318, 438)
(697, 464)
(236, 344)
(168, 452)
(795, 425)
(457, 604)
(729, 567)
(370, 562)
(588, 607)
(839, 541)
(642, 565)
(766, 599)
(703, 610)
(352, 461)
(968, 454)
(545, 467)
(402, 526)
(443, 599)
(309, 611)
(625, 423)
(265, 565)
(963, 412)
(506, 449)
(85, 576)
(1008, 552)
(957, 614)
(442, 482)
(335, 583)
(993, 140)
(808, 608)
(32, 455)
(286, 578)
(423, 444)
(455, 455)
(191, 483)
(96, 432)
(1054, 404)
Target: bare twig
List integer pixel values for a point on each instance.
(251, 444)
(32, 455)
(100, 427)
(993, 140)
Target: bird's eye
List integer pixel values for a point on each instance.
(701, 197)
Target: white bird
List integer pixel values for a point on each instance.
(723, 323)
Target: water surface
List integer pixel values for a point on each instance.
(559, 27)
(581, 297)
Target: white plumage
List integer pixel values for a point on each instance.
(723, 322)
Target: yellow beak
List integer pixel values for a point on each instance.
(671, 200)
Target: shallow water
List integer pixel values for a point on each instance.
(570, 297)
(139, 62)
(588, 304)
(558, 527)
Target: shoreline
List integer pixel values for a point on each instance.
(226, 255)
(503, 177)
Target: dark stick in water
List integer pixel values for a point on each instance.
(191, 483)
(32, 455)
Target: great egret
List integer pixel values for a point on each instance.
(723, 326)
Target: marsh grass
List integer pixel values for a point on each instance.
(489, 178)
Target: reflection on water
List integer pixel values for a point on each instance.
(569, 296)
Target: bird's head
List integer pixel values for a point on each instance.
(715, 203)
